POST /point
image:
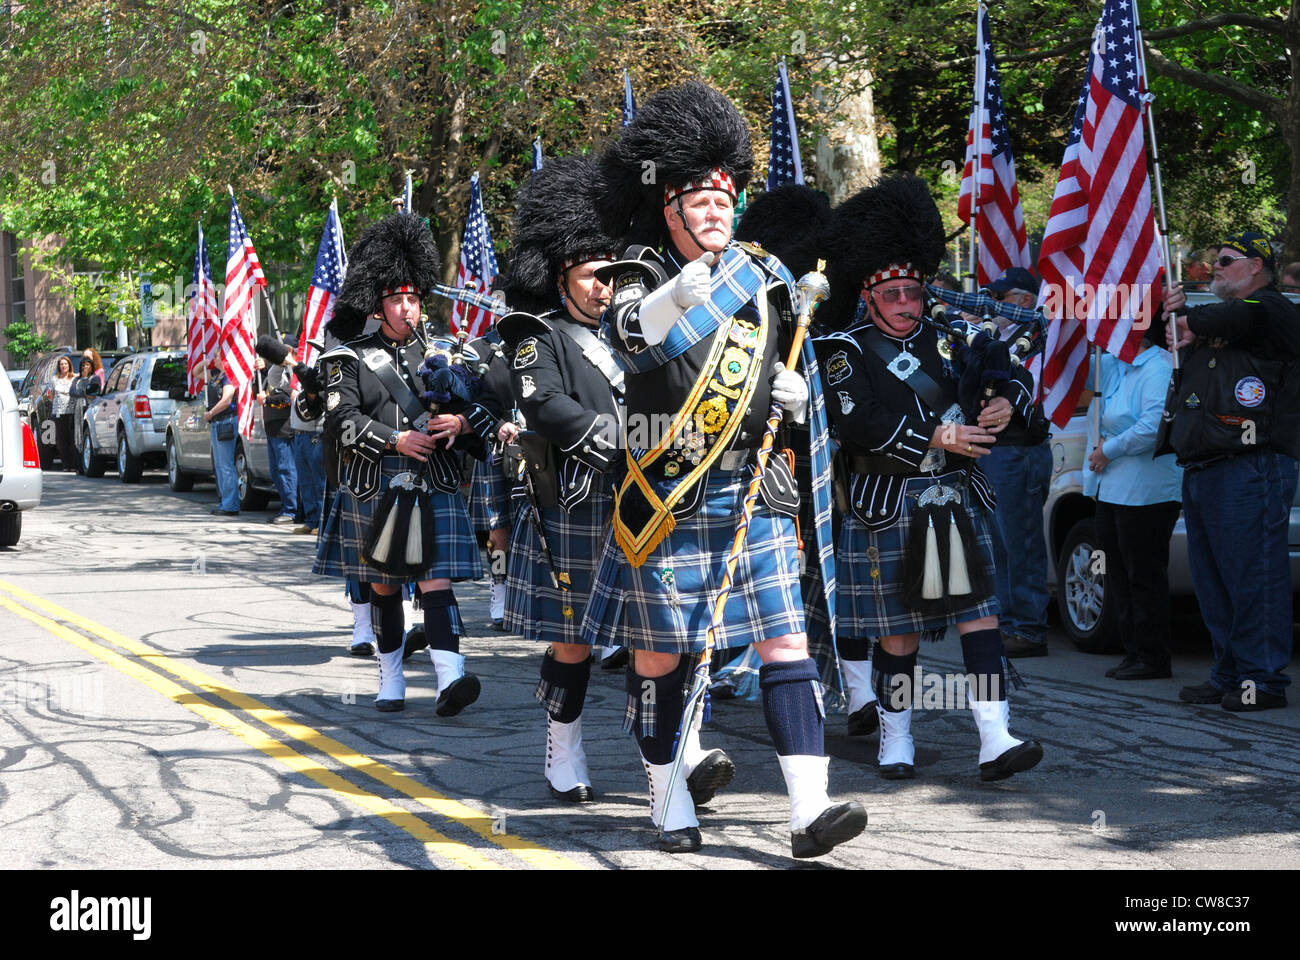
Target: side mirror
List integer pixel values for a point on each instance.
(92, 387)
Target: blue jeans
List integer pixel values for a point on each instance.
(1020, 476)
(283, 472)
(223, 462)
(1237, 513)
(310, 463)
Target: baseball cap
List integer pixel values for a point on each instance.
(1014, 278)
(1252, 245)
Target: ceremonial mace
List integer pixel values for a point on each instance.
(813, 288)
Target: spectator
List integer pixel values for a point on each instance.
(309, 459)
(275, 399)
(1137, 503)
(1196, 273)
(96, 364)
(1020, 467)
(61, 410)
(1235, 425)
(1291, 276)
(219, 398)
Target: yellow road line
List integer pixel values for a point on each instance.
(434, 841)
(475, 820)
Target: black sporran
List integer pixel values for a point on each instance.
(400, 542)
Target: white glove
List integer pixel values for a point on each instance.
(790, 390)
(664, 307)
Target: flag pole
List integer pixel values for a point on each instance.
(976, 132)
(1148, 118)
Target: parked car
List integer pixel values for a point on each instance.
(35, 396)
(21, 480)
(188, 444)
(127, 420)
(1087, 616)
(16, 378)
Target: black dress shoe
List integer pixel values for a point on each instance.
(224, 513)
(363, 649)
(1127, 662)
(390, 706)
(499, 626)
(864, 721)
(711, 774)
(1243, 701)
(616, 660)
(414, 642)
(897, 771)
(458, 696)
(834, 826)
(1201, 693)
(686, 840)
(1022, 647)
(579, 794)
(1142, 671)
(1016, 760)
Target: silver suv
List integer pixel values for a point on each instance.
(127, 420)
(189, 452)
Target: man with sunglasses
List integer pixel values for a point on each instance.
(1235, 424)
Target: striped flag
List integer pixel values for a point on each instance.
(238, 325)
(629, 102)
(783, 162)
(204, 326)
(326, 281)
(537, 154)
(478, 266)
(989, 177)
(1100, 256)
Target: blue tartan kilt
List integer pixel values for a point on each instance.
(329, 546)
(666, 604)
(869, 606)
(535, 608)
(489, 500)
(347, 526)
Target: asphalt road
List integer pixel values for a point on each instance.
(175, 691)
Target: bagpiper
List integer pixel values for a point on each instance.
(914, 554)
(398, 517)
(701, 323)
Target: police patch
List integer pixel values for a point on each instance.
(846, 402)
(332, 400)
(333, 372)
(526, 355)
(527, 386)
(837, 368)
(1250, 391)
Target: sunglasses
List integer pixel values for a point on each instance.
(1226, 261)
(911, 291)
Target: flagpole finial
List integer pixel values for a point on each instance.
(232, 191)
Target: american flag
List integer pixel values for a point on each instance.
(783, 163)
(204, 325)
(999, 222)
(537, 154)
(238, 326)
(478, 266)
(326, 281)
(629, 102)
(1100, 255)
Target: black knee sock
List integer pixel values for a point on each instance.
(892, 679)
(438, 630)
(563, 687)
(792, 707)
(388, 619)
(654, 711)
(853, 648)
(982, 651)
(358, 592)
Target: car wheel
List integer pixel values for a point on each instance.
(1087, 614)
(11, 528)
(250, 498)
(129, 466)
(91, 465)
(177, 479)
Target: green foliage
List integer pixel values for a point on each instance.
(23, 342)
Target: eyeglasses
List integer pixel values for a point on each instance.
(911, 291)
(1226, 261)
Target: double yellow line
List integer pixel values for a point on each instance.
(152, 668)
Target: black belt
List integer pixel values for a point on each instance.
(880, 465)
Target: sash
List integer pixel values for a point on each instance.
(700, 432)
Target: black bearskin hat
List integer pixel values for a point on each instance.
(270, 349)
(397, 251)
(892, 223)
(788, 222)
(555, 226)
(686, 132)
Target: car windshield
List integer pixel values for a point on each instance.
(168, 372)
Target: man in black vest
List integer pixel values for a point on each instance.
(1235, 425)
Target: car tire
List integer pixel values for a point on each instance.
(177, 479)
(91, 464)
(250, 498)
(129, 466)
(1087, 613)
(11, 528)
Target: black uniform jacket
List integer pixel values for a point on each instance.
(361, 415)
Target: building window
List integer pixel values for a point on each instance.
(17, 288)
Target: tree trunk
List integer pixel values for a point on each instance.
(848, 157)
(1289, 121)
